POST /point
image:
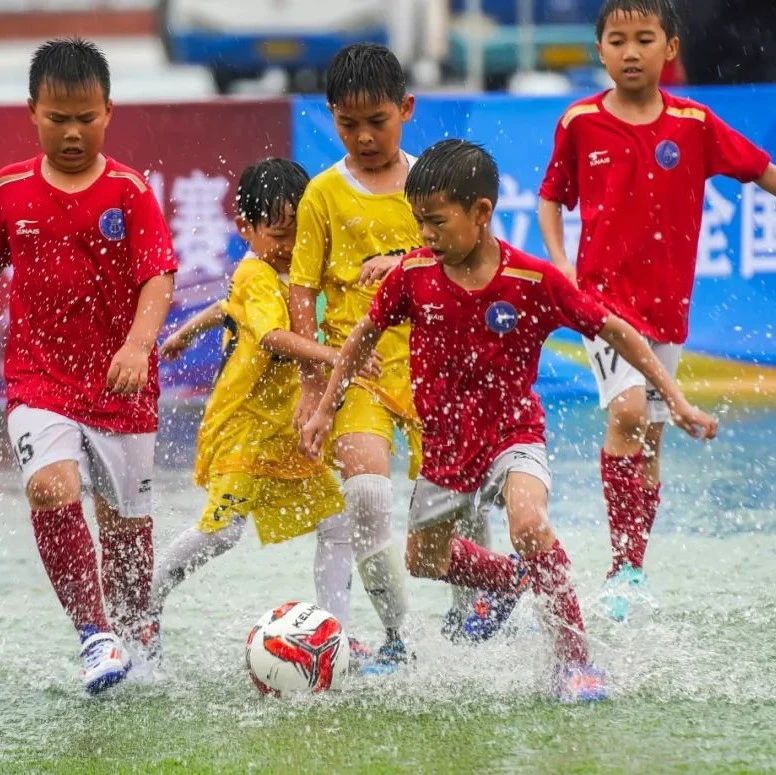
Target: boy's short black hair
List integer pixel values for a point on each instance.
(265, 188)
(71, 63)
(665, 10)
(365, 71)
(459, 170)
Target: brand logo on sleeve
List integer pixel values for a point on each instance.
(24, 227)
(112, 225)
(667, 154)
(597, 158)
(501, 317)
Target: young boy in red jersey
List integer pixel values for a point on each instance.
(636, 160)
(479, 311)
(92, 281)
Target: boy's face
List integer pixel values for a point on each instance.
(448, 229)
(71, 124)
(634, 49)
(371, 131)
(273, 242)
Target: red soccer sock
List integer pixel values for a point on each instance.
(549, 574)
(472, 565)
(651, 503)
(68, 555)
(127, 571)
(622, 478)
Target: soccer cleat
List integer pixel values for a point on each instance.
(390, 656)
(104, 660)
(492, 609)
(579, 683)
(360, 655)
(624, 591)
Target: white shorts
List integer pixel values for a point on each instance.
(116, 466)
(614, 375)
(432, 504)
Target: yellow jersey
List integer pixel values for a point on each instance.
(247, 423)
(340, 225)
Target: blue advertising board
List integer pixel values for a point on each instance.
(735, 295)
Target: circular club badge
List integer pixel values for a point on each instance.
(667, 154)
(112, 224)
(501, 317)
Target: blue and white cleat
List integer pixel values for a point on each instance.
(625, 591)
(492, 609)
(579, 683)
(104, 660)
(389, 658)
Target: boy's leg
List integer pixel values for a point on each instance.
(652, 447)
(622, 473)
(121, 471)
(220, 527)
(48, 450)
(365, 465)
(547, 563)
(333, 566)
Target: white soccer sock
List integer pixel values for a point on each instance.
(332, 568)
(189, 551)
(368, 503)
(475, 527)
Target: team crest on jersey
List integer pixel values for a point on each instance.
(501, 317)
(112, 224)
(667, 154)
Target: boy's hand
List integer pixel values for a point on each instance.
(694, 421)
(312, 392)
(128, 372)
(314, 434)
(375, 268)
(373, 368)
(569, 272)
(172, 348)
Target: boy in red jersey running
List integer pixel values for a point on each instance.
(92, 281)
(636, 159)
(479, 311)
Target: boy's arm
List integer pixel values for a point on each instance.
(304, 323)
(767, 181)
(632, 346)
(551, 225)
(180, 339)
(352, 357)
(128, 371)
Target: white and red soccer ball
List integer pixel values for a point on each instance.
(297, 647)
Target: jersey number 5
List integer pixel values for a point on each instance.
(23, 449)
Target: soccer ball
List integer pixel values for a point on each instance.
(297, 647)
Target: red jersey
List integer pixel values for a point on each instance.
(78, 263)
(640, 192)
(474, 355)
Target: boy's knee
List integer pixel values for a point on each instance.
(531, 531)
(424, 567)
(53, 487)
(628, 419)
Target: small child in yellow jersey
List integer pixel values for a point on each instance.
(354, 226)
(247, 454)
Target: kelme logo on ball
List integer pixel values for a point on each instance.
(112, 224)
(667, 154)
(501, 317)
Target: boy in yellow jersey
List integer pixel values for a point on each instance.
(247, 454)
(354, 225)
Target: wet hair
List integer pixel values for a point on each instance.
(68, 63)
(365, 71)
(665, 10)
(265, 188)
(459, 170)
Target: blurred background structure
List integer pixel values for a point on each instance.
(191, 48)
